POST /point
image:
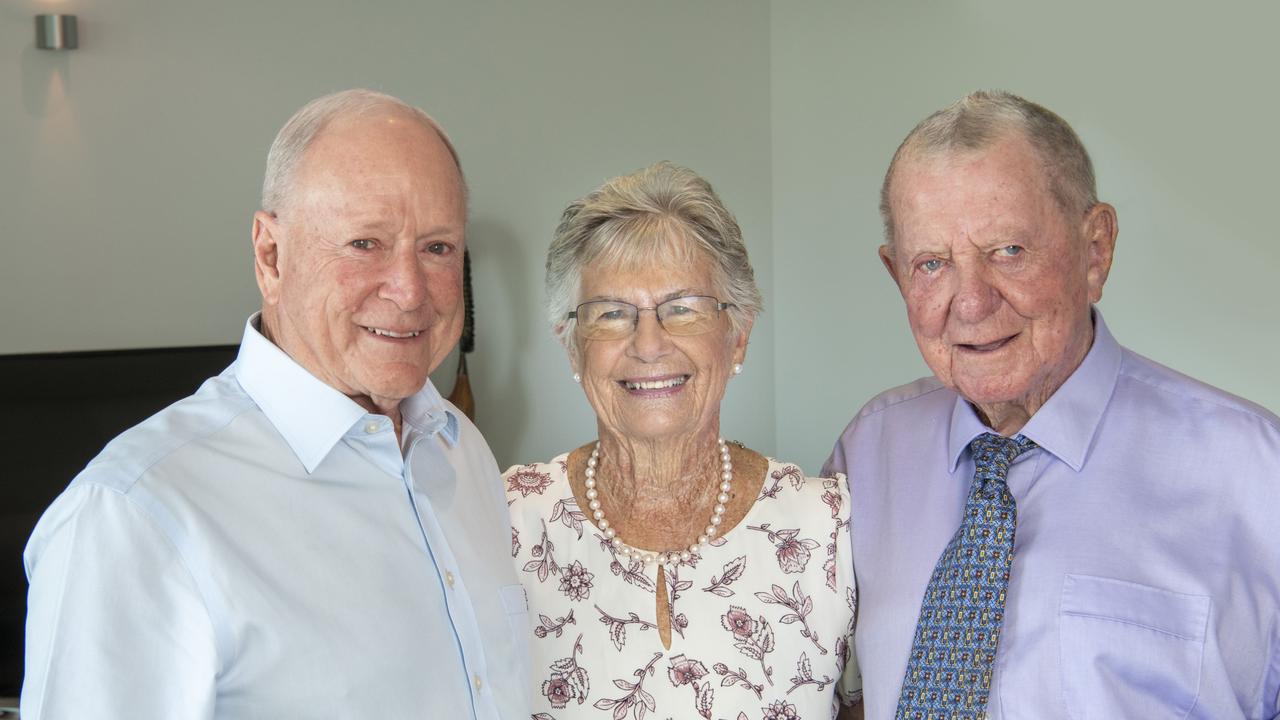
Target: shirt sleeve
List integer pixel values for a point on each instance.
(849, 685)
(837, 462)
(116, 626)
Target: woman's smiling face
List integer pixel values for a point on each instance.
(652, 385)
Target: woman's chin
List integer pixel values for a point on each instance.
(658, 430)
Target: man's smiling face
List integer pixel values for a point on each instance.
(997, 279)
(363, 286)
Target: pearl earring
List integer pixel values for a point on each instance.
(737, 368)
(577, 378)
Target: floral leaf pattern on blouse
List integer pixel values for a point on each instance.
(546, 625)
(844, 646)
(732, 571)
(528, 480)
(568, 512)
(637, 700)
(733, 654)
(544, 561)
(753, 638)
(829, 565)
(632, 573)
(804, 676)
(674, 586)
(770, 492)
(780, 710)
(568, 681)
(793, 551)
(737, 677)
(687, 671)
(789, 472)
(575, 583)
(800, 606)
(832, 499)
(618, 626)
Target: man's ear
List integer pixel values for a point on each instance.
(266, 255)
(886, 258)
(1100, 230)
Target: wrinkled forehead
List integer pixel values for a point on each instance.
(343, 189)
(1012, 172)
(1010, 155)
(989, 198)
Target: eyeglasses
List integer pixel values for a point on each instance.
(614, 320)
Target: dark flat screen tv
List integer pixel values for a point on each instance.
(57, 411)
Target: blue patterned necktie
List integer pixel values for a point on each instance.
(949, 671)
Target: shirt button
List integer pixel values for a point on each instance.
(475, 680)
(448, 577)
(372, 427)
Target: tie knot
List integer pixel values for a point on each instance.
(991, 451)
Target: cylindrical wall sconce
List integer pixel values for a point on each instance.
(56, 32)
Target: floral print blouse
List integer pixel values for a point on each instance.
(761, 623)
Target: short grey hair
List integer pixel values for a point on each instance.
(981, 119)
(662, 213)
(291, 143)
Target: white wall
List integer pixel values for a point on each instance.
(1176, 103)
(129, 168)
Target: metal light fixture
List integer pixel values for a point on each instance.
(56, 32)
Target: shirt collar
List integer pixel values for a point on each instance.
(310, 415)
(427, 412)
(1065, 426)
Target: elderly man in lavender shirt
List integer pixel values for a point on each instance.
(1146, 574)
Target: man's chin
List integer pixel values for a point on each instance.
(989, 390)
(391, 389)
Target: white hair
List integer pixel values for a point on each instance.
(291, 143)
(653, 217)
(983, 118)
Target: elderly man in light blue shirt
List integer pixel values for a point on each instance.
(316, 533)
(1143, 577)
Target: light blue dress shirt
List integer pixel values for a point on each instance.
(1146, 573)
(267, 549)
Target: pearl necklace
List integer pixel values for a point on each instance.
(670, 557)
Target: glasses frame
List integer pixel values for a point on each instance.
(720, 305)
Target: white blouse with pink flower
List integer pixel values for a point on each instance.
(761, 622)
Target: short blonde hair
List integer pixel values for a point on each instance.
(660, 214)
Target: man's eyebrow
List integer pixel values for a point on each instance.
(441, 231)
(372, 221)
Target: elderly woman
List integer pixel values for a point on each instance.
(673, 573)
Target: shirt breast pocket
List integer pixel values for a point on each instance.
(1129, 650)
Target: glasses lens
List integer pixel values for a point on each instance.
(692, 315)
(604, 319)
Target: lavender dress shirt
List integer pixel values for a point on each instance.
(1146, 574)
